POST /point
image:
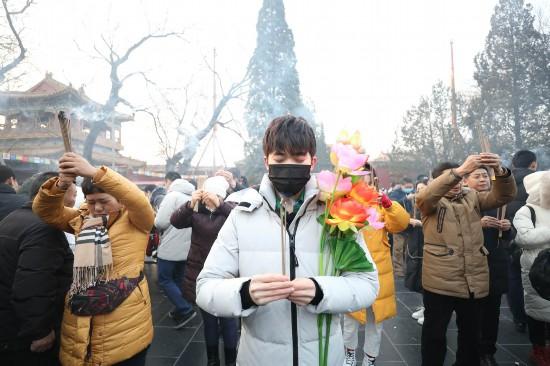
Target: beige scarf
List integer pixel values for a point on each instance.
(93, 258)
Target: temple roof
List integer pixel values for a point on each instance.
(50, 95)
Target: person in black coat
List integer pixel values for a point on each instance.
(35, 275)
(9, 200)
(497, 234)
(524, 163)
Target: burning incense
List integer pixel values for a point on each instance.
(65, 125)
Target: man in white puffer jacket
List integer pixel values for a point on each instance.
(173, 250)
(533, 239)
(266, 270)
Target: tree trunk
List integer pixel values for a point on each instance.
(89, 144)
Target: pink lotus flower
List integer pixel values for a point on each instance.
(347, 160)
(328, 180)
(354, 140)
(374, 219)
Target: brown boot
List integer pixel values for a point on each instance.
(538, 356)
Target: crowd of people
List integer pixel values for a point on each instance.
(247, 259)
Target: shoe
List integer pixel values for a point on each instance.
(368, 361)
(419, 313)
(350, 358)
(538, 357)
(181, 320)
(521, 327)
(487, 360)
(420, 321)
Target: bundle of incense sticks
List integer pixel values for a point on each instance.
(65, 125)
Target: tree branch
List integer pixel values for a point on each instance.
(22, 51)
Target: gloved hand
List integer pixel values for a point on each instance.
(385, 201)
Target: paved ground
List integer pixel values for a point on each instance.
(400, 343)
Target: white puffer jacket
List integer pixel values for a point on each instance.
(174, 243)
(534, 239)
(249, 244)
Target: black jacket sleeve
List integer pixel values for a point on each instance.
(35, 286)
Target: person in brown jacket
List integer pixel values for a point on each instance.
(455, 274)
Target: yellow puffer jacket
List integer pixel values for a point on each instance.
(128, 330)
(396, 219)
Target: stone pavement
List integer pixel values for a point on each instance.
(400, 342)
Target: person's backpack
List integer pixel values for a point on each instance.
(539, 274)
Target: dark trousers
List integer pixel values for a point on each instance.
(515, 293)
(537, 331)
(136, 360)
(28, 358)
(212, 326)
(490, 313)
(437, 314)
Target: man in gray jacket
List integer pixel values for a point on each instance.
(173, 250)
(264, 265)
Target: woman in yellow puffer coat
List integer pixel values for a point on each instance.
(126, 332)
(396, 219)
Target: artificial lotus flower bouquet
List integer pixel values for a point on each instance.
(350, 207)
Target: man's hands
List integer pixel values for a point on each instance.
(304, 291)
(493, 222)
(196, 197)
(474, 162)
(266, 288)
(271, 287)
(72, 164)
(43, 344)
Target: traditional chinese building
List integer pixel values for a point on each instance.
(29, 129)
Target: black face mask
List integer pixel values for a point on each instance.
(289, 179)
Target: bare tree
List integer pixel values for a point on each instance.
(13, 52)
(191, 141)
(115, 60)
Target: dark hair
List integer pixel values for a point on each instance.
(38, 180)
(407, 180)
(172, 176)
(289, 134)
(5, 173)
(88, 187)
(438, 170)
(523, 158)
(367, 167)
(149, 188)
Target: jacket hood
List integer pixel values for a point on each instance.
(537, 186)
(182, 186)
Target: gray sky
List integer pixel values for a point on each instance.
(361, 63)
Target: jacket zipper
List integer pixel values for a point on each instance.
(293, 310)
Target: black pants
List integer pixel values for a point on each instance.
(437, 314)
(136, 360)
(28, 358)
(515, 293)
(537, 331)
(490, 314)
(212, 325)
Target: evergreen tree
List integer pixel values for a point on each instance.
(274, 84)
(513, 73)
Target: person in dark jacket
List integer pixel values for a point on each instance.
(206, 222)
(401, 194)
(35, 274)
(9, 200)
(497, 233)
(524, 163)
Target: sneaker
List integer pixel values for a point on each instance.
(368, 361)
(350, 358)
(181, 320)
(538, 357)
(420, 321)
(487, 360)
(419, 313)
